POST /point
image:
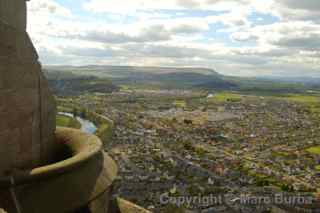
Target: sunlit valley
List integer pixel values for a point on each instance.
(168, 106)
(193, 132)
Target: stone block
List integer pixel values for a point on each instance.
(48, 116)
(17, 43)
(8, 148)
(13, 119)
(13, 12)
(19, 76)
(6, 51)
(24, 157)
(36, 141)
(101, 203)
(8, 36)
(26, 104)
(25, 101)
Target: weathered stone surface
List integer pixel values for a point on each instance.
(13, 12)
(27, 108)
(48, 122)
(8, 148)
(82, 181)
(101, 204)
(125, 206)
(2, 211)
(17, 44)
(19, 75)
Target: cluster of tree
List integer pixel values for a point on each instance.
(68, 84)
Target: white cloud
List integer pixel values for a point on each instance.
(289, 10)
(43, 16)
(181, 38)
(304, 5)
(46, 7)
(123, 6)
(138, 32)
(290, 34)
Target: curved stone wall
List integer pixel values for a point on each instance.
(81, 181)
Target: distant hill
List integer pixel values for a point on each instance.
(125, 70)
(162, 77)
(73, 80)
(65, 83)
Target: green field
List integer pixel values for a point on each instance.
(65, 121)
(309, 99)
(226, 97)
(180, 103)
(105, 129)
(314, 150)
(104, 132)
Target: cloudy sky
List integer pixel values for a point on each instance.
(234, 37)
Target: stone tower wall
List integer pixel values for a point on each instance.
(13, 13)
(27, 108)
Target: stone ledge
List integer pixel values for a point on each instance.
(67, 185)
(124, 206)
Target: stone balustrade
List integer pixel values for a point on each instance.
(82, 180)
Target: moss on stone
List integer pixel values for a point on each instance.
(66, 121)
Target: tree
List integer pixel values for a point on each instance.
(83, 113)
(75, 112)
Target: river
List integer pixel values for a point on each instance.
(86, 125)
